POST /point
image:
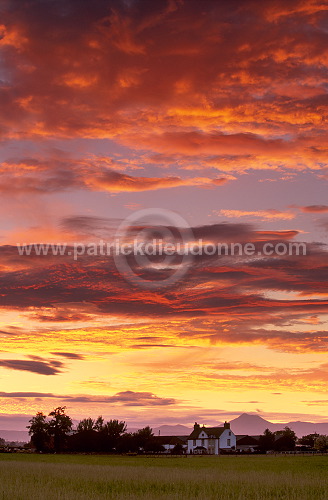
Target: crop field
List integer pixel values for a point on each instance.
(82, 477)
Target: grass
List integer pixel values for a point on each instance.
(82, 477)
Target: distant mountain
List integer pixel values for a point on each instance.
(244, 424)
(251, 424)
(21, 436)
(172, 430)
(254, 425)
(303, 428)
(166, 430)
(247, 424)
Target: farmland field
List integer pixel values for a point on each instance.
(81, 477)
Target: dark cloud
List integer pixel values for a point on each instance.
(125, 398)
(60, 315)
(68, 355)
(27, 395)
(224, 232)
(40, 367)
(315, 208)
(86, 225)
(131, 398)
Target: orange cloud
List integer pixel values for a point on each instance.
(261, 214)
(114, 181)
(252, 93)
(37, 176)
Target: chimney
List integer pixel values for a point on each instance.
(196, 426)
(226, 425)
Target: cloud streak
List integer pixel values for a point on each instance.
(39, 367)
(124, 398)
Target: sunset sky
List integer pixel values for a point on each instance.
(215, 111)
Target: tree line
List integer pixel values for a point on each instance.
(286, 440)
(55, 434)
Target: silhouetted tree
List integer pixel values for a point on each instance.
(321, 443)
(86, 425)
(90, 435)
(86, 438)
(266, 441)
(2, 442)
(110, 433)
(143, 437)
(285, 440)
(127, 443)
(39, 432)
(59, 427)
(308, 440)
(99, 424)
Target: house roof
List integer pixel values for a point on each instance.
(210, 431)
(170, 439)
(247, 440)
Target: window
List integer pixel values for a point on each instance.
(229, 433)
(228, 442)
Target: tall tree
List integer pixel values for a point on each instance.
(59, 427)
(85, 425)
(286, 440)
(266, 441)
(143, 437)
(126, 443)
(308, 440)
(321, 443)
(86, 437)
(99, 423)
(111, 433)
(39, 432)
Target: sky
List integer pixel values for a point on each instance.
(205, 118)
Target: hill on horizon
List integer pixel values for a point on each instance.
(172, 430)
(12, 435)
(251, 424)
(246, 423)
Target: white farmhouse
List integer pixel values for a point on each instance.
(210, 440)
